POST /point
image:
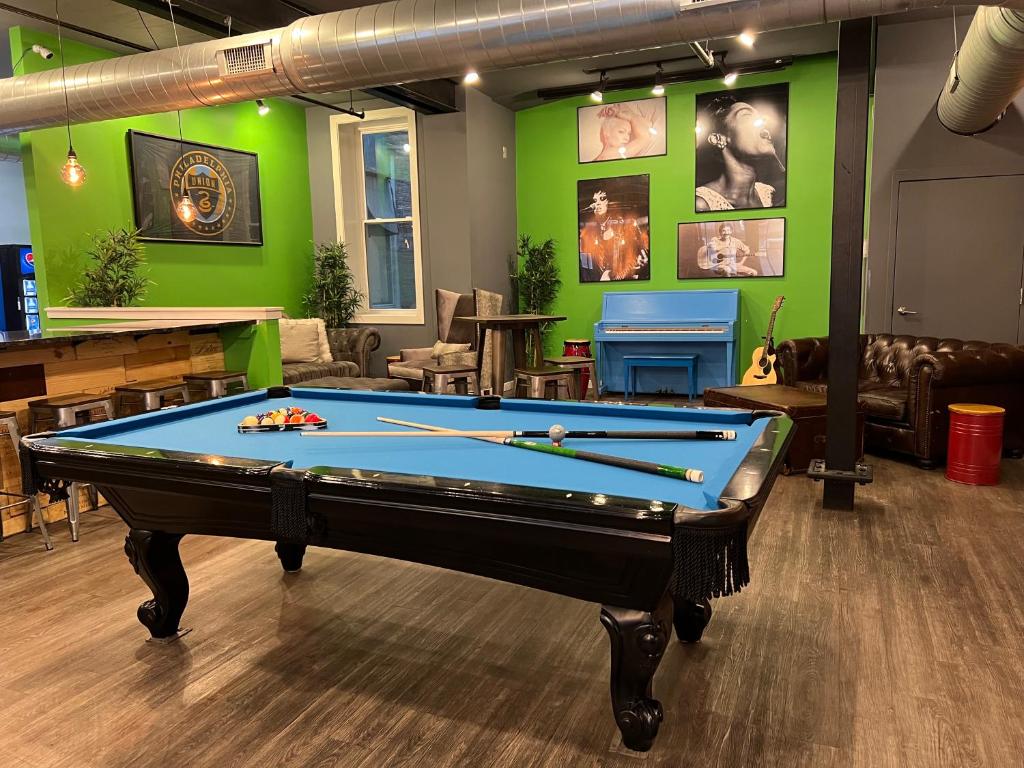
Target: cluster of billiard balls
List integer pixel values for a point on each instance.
(281, 416)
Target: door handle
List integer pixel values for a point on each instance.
(905, 311)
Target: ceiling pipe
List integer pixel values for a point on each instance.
(10, 149)
(987, 73)
(396, 42)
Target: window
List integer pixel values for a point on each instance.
(378, 212)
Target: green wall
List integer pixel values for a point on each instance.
(185, 274)
(547, 171)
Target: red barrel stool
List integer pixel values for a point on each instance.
(975, 443)
(580, 348)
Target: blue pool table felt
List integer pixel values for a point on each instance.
(211, 428)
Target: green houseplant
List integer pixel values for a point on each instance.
(115, 275)
(333, 295)
(537, 282)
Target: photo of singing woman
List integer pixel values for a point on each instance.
(741, 149)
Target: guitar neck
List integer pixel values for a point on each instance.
(771, 327)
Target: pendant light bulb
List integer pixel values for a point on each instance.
(186, 209)
(72, 173)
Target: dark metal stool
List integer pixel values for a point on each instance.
(577, 365)
(64, 411)
(9, 423)
(146, 396)
(210, 385)
(437, 378)
(534, 382)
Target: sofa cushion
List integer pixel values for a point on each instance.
(296, 373)
(304, 341)
(441, 348)
(410, 369)
(348, 382)
(885, 403)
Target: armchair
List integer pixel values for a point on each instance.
(354, 345)
(906, 385)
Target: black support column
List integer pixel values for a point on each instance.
(841, 452)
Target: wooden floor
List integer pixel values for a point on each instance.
(889, 636)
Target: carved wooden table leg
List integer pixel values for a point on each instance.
(290, 554)
(638, 639)
(154, 556)
(690, 619)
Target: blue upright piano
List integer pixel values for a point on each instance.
(705, 323)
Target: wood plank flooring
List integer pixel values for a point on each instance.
(889, 636)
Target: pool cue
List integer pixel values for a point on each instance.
(690, 434)
(650, 467)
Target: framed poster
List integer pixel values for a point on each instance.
(621, 131)
(224, 185)
(736, 248)
(614, 227)
(741, 148)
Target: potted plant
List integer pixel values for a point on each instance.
(333, 296)
(115, 275)
(537, 282)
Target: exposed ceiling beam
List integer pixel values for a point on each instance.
(430, 97)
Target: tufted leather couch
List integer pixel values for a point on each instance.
(907, 383)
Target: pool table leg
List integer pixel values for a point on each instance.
(290, 554)
(690, 619)
(154, 556)
(638, 640)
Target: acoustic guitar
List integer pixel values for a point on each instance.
(762, 362)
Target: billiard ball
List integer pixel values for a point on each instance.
(557, 434)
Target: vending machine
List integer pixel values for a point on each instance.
(19, 301)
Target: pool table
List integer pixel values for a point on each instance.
(651, 550)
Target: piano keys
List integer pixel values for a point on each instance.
(705, 323)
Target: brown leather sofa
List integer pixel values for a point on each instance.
(906, 385)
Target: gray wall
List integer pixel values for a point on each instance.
(467, 206)
(909, 142)
(14, 211)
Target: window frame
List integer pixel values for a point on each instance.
(376, 121)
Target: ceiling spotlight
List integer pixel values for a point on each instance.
(598, 93)
(262, 108)
(658, 89)
(730, 78)
(471, 77)
(747, 39)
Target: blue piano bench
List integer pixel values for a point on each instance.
(632, 362)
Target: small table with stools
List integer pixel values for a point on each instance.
(534, 382)
(633, 362)
(806, 409)
(519, 327)
(584, 371)
(437, 379)
(210, 385)
(146, 396)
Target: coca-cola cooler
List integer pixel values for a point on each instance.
(19, 302)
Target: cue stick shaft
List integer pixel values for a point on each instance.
(689, 434)
(665, 470)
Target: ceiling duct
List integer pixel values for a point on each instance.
(986, 75)
(400, 41)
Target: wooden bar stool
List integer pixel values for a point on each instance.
(437, 378)
(534, 382)
(146, 396)
(210, 385)
(9, 423)
(577, 365)
(64, 411)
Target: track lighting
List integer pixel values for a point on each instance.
(598, 93)
(658, 89)
(471, 77)
(747, 39)
(262, 108)
(730, 78)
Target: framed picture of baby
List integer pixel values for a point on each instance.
(741, 148)
(621, 131)
(736, 248)
(614, 228)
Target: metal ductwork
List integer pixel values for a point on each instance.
(987, 74)
(400, 41)
(10, 149)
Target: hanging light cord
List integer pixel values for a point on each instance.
(181, 63)
(63, 73)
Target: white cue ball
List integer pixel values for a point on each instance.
(557, 433)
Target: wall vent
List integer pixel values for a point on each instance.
(245, 59)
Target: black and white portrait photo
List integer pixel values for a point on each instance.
(741, 149)
(621, 131)
(742, 248)
(614, 225)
